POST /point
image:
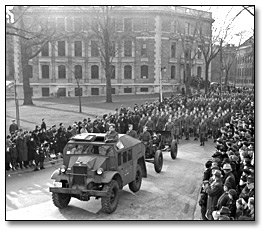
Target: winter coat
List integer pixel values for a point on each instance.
(214, 191)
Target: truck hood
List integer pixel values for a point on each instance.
(93, 162)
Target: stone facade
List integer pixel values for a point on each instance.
(153, 35)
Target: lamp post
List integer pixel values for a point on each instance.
(160, 83)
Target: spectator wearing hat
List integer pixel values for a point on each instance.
(228, 176)
(13, 127)
(214, 191)
(231, 204)
(224, 198)
(248, 190)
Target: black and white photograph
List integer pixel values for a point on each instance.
(130, 113)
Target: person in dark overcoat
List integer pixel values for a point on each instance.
(214, 191)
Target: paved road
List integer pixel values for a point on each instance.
(170, 195)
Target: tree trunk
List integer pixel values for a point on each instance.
(26, 83)
(206, 76)
(108, 85)
(80, 102)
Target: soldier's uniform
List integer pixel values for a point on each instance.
(196, 122)
(176, 129)
(187, 125)
(202, 132)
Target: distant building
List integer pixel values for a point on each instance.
(228, 55)
(149, 40)
(245, 64)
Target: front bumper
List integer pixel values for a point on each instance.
(94, 193)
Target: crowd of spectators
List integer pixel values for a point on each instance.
(228, 181)
(227, 118)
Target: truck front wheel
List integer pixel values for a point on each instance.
(109, 203)
(61, 200)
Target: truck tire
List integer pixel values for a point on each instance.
(135, 185)
(174, 149)
(61, 200)
(109, 204)
(158, 161)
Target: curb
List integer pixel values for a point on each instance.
(47, 164)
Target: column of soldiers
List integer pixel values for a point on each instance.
(199, 116)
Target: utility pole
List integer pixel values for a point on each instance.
(220, 59)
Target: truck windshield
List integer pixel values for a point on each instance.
(105, 150)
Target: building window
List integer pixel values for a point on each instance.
(127, 90)
(199, 72)
(144, 72)
(144, 50)
(95, 91)
(187, 53)
(127, 24)
(30, 71)
(112, 71)
(128, 48)
(61, 72)
(60, 23)
(112, 49)
(86, 23)
(61, 92)
(78, 72)
(45, 50)
(94, 48)
(200, 52)
(78, 92)
(94, 72)
(144, 24)
(78, 48)
(173, 26)
(173, 49)
(172, 72)
(187, 28)
(61, 48)
(45, 72)
(127, 72)
(78, 24)
(69, 24)
(113, 90)
(45, 92)
(145, 90)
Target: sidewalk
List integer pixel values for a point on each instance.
(47, 164)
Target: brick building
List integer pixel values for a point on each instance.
(245, 64)
(148, 39)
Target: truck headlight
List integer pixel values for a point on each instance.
(62, 169)
(100, 171)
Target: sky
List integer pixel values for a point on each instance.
(223, 16)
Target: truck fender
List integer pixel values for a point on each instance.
(58, 177)
(108, 176)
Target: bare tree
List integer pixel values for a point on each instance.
(34, 34)
(104, 30)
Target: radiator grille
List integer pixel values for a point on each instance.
(78, 172)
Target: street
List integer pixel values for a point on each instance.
(170, 195)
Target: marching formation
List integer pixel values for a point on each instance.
(227, 118)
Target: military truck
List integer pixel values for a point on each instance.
(93, 168)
